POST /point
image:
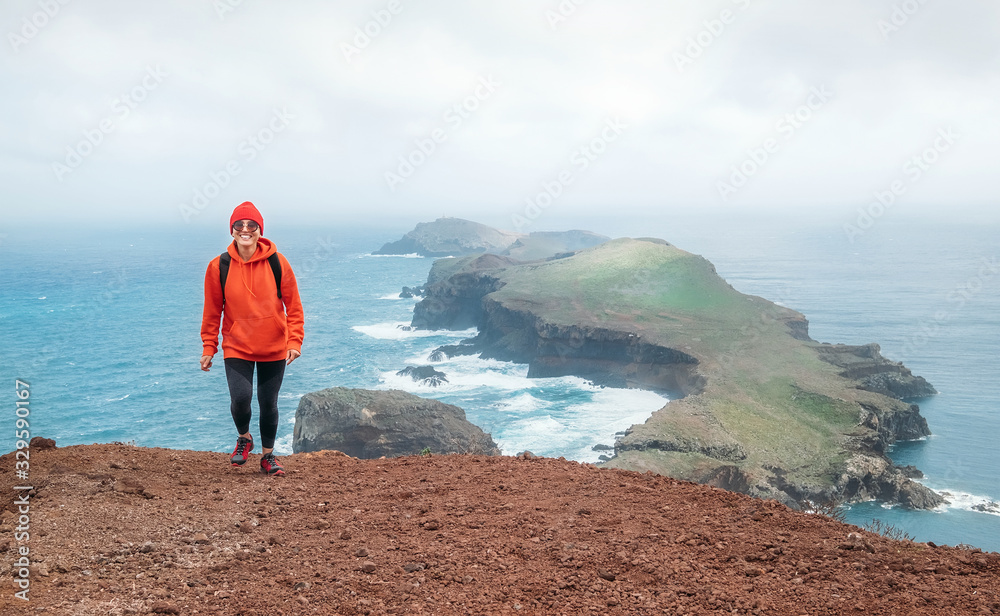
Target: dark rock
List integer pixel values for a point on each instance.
(894, 422)
(368, 567)
(424, 374)
(990, 507)
(873, 477)
(453, 350)
(604, 574)
(39, 443)
(411, 292)
(370, 424)
(602, 448)
(413, 567)
(437, 355)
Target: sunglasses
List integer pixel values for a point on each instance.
(245, 224)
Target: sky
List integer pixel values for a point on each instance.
(526, 115)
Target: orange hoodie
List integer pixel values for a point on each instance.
(257, 325)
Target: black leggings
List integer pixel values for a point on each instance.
(239, 373)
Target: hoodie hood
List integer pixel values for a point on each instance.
(265, 248)
(246, 268)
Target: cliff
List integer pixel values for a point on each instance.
(763, 408)
(118, 530)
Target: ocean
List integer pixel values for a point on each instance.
(104, 326)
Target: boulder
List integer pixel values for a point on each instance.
(370, 424)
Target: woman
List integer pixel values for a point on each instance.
(262, 327)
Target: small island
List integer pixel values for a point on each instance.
(759, 407)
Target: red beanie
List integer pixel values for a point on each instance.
(246, 211)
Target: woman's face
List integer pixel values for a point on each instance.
(246, 233)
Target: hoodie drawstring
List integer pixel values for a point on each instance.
(244, 279)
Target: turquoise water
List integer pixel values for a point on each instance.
(105, 328)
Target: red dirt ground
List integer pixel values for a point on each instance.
(116, 529)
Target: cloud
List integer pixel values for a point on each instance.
(750, 64)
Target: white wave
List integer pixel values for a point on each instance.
(530, 434)
(283, 445)
(201, 418)
(523, 403)
(118, 399)
(956, 499)
(43, 297)
(537, 413)
(411, 255)
(396, 297)
(396, 331)
(461, 381)
(573, 430)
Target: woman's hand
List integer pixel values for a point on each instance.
(206, 362)
(292, 354)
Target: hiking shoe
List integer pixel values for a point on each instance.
(269, 465)
(242, 452)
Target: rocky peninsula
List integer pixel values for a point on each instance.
(759, 407)
(448, 236)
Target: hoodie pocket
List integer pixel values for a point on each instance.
(260, 336)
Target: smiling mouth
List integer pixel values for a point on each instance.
(245, 236)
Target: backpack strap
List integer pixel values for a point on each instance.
(225, 259)
(276, 268)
